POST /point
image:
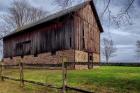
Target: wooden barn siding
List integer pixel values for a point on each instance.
(46, 39)
(85, 19)
(57, 39)
(10, 44)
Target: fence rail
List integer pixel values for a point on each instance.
(32, 82)
(63, 67)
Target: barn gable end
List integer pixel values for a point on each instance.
(87, 35)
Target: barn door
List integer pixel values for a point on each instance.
(19, 49)
(26, 47)
(90, 60)
(23, 48)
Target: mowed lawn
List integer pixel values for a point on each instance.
(104, 79)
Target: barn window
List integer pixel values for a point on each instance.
(83, 39)
(22, 56)
(11, 57)
(27, 47)
(90, 60)
(23, 48)
(53, 53)
(36, 54)
(70, 42)
(90, 57)
(19, 49)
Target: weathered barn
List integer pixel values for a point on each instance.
(73, 33)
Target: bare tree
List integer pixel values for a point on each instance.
(4, 29)
(20, 13)
(138, 49)
(17, 15)
(64, 3)
(108, 49)
(123, 17)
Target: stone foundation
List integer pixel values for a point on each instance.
(81, 56)
(44, 58)
(96, 58)
(59, 57)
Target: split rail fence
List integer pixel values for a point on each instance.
(64, 67)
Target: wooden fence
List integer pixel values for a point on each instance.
(64, 69)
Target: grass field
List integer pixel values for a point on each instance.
(105, 79)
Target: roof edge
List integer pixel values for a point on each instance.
(96, 16)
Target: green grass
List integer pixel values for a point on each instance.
(105, 79)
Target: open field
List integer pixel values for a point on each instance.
(105, 79)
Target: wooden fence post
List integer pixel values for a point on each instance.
(21, 74)
(64, 68)
(1, 72)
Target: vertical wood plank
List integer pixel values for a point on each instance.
(1, 72)
(21, 74)
(64, 74)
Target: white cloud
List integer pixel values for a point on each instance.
(125, 46)
(122, 33)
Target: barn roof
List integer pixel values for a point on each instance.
(58, 15)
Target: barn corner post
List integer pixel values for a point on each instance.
(64, 74)
(21, 74)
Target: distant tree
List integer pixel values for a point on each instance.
(20, 13)
(138, 48)
(108, 49)
(64, 3)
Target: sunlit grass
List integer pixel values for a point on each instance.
(113, 79)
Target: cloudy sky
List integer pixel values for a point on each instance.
(124, 36)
